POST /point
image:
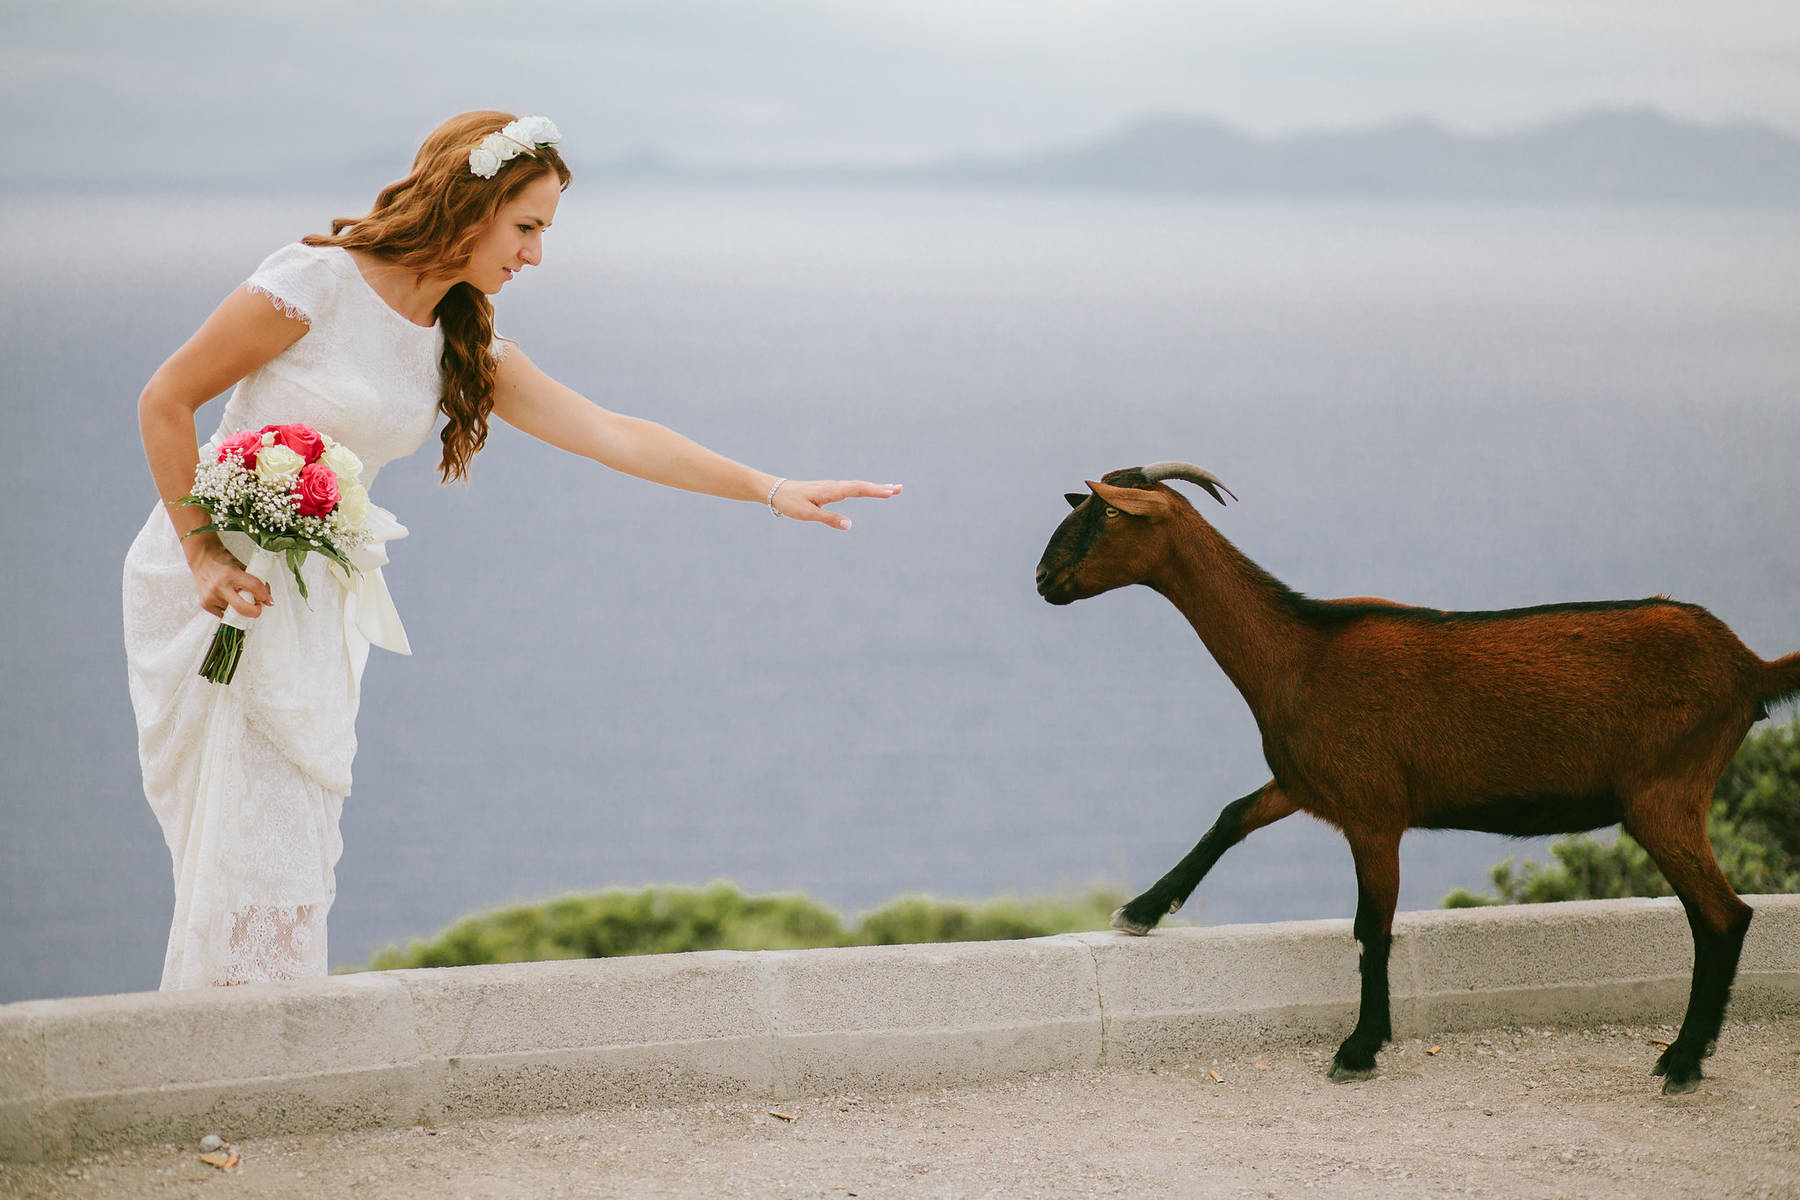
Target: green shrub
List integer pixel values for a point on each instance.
(666, 920)
(913, 919)
(1754, 826)
(620, 922)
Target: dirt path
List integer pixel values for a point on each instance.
(1508, 1113)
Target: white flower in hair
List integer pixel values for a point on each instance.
(523, 136)
(535, 131)
(483, 162)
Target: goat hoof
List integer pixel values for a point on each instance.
(1675, 1085)
(1353, 1062)
(1680, 1071)
(1344, 1074)
(1125, 924)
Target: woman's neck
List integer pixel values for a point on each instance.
(413, 296)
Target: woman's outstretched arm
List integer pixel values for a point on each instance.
(531, 401)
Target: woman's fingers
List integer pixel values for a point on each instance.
(243, 599)
(805, 501)
(842, 489)
(240, 590)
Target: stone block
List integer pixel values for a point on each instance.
(898, 1017)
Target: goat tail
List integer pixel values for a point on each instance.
(1781, 680)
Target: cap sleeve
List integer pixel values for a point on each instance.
(500, 347)
(298, 279)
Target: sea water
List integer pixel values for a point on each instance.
(619, 684)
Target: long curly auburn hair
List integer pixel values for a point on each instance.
(430, 222)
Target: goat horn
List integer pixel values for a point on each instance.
(1157, 472)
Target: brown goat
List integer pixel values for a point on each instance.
(1380, 718)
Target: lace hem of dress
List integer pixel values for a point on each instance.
(287, 308)
(271, 944)
(501, 348)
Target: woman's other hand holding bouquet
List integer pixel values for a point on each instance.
(221, 581)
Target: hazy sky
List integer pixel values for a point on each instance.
(124, 86)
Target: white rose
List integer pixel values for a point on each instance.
(502, 145)
(268, 439)
(343, 462)
(536, 131)
(353, 505)
(278, 465)
(483, 162)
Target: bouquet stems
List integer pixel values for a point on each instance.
(221, 661)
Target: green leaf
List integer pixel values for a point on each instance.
(294, 559)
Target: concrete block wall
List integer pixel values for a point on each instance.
(403, 1047)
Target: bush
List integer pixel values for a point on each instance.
(923, 919)
(1754, 826)
(720, 917)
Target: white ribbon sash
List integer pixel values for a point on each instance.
(370, 618)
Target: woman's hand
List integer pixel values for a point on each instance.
(805, 500)
(220, 579)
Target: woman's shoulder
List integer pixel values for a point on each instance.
(302, 280)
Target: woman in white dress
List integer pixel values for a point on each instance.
(367, 335)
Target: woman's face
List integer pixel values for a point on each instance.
(515, 240)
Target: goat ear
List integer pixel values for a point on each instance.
(1074, 498)
(1135, 501)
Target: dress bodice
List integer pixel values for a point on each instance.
(362, 372)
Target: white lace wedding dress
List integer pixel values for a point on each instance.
(248, 779)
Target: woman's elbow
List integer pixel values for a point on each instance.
(163, 399)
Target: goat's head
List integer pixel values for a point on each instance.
(1115, 536)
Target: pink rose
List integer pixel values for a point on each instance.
(317, 488)
(303, 440)
(241, 445)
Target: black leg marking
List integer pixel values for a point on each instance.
(1168, 894)
(1717, 917)
(1715, 967)
(1378, 888)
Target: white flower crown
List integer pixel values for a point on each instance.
(522, 136)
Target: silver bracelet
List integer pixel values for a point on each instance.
(770, 498)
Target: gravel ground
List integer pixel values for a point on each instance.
(1506, 1113)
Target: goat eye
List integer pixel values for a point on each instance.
(1111, 511)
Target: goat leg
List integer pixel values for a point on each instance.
(1677, 843)
(1238, 820)
(1377, 892)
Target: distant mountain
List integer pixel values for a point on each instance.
(1631, 155)
(1612, 156)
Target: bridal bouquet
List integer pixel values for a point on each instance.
(292, 491)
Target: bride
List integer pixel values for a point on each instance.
(367, 335)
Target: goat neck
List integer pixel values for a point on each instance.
(1246, 618)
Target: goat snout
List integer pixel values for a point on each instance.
(1050, 585)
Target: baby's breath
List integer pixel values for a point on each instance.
(238, 499)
